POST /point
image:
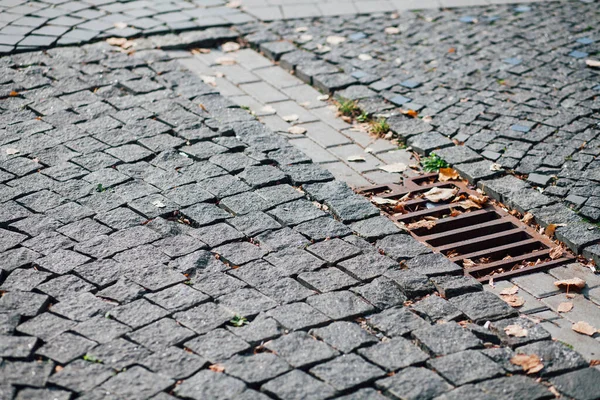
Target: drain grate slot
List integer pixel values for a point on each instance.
(484, 239)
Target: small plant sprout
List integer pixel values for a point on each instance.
(380, 127)
(363, 117)
(92, 359)
(347, 107)
(433, 163)
(238, 321)
(100, 188)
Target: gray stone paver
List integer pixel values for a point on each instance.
(141, 302)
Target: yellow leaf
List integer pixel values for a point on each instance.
(448, 174)
(564, 307)
(584, 328)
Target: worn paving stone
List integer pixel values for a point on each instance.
(298, 384)
(446, 338)
(414, 383)
(482, 306)
(466, 367)
(301, 350)
(346, 371)
(558, 358)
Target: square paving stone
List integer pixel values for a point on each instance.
(217, 284)
(101, 329)
(281, 239)
(244, 203)
(327, 279)
(24, 279)
(296, 212)
(81, 307)
(259, 330)
(34, 373)
(301, 350)
(557, 357)
(53, 394)
(123, 291)
(344, 336)
(246, 302)
(16, 346)
(254, 223)
(502, 356)
(323, 228)
(84, 230)
(446, 338)
(217, 345)
(374, 228)
(119, 353)
(177, 298)
(414, 383)
(65, 286)
(580, 385)
(466, 367)
(26, 304)
(452, 286)
(279, 194)
(394, 354)
(179, 245)
(516, 387)
(204, 318)
(435, 309)
(352, 209)
(207, 384)
(174, 363)
(45, 326)
(138, 313)
(535, 332)
(298, 384)
(65, 347)
(367, 266)
(161, 334)
(9, 239)
(433, 264)
(402, 246)
(256, 368)
(334, 250)
(346, 372)
(217, 234)
(81, 376)
(411, 283)
(286, 290)
(381, 292)
(293, 261)
(396, 321)
(137, 383)
(340, 305)
(483, 306)
(101, 273)
(18, 257)
(297, 316)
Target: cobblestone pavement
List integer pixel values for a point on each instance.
(29, 25)
(155, 244)
(510, 83)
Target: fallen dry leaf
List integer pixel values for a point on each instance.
(516, 331)
(356, 158)
(467, 204)
(573, 283)
(436, 195)
(410, 113)
(392, 30)
(306, 38)
(301, 29)
(394, 168)
(564, 307)
(226, 61)
(514, 300)
(10, 151)
(13, 93)
(556, 252)
(200, 51)
(514, 289)
(381, 200)
(495, 167)
(468, 263)
(297, 130)
(114, 41)
(549, 231)
(448, 174)
(527, 218)
(593, 363)
(335, 39)
(159, 204)
(364, 57)
(229, 47)
(592, 63)
(421, 224)
(120, 25)
(291, 118)
(584, 328)
(323, 97)
(491, 282)
(554, 391)
(481, 200)
(529, 362)
(216, 368)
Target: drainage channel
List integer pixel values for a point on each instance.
(485, 240)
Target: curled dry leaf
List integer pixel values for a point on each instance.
(229, 47)
(268, 109)
(226, 61)
(158, 204)
(491, 282)
(120, 25)
(481, 200)
(291, 118)
(297, 130)
(516, 331)
(323, 97)
(114, 41)
(200, 51)
(410, 113)
(335, 39)
(436, 195)
(306, 38)
(13, 93)
(514, 300)
(364, 57)
(584, 328)
(556, 252)
(394, 168)
(392, 30)
(356, 158)
(571, 284)
(216, 368)
(514, 289)
(468, 263)
(382, 201)
(592, 63)
(421, 224)
(564, 307)
(301, 29)
(549, 231)
(527, 218)
(495, 167)
(209, 80)
(467, 204)
(448, 174)
(530, 363)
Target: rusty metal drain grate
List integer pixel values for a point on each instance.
(486, 242)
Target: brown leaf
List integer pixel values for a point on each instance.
(509, 290)
(584, 328)
(451, 50)
(448, 174)
(514, 300)
(529, 362)
(216, 368)
(527, 218)
(549, 231)
(454, 213)
(381, 200)
(516, 331)
(439, 194)
(13, 93)
(592, 63)
(564, 307)
(467, 204)
(573, 283)
(410, 113)
(394, 168)
(468, 263)
(479, 200)
(555, 392)
(421, 224)
(556, 252)
(593, 363)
